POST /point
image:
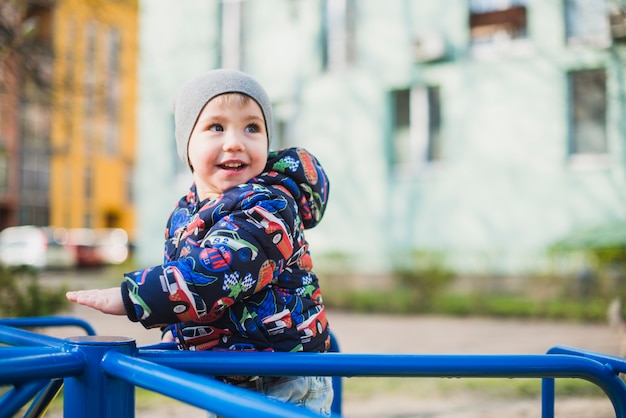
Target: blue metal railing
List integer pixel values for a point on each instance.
(100, 373)
(48, 321)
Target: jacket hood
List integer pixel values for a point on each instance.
(302, 175)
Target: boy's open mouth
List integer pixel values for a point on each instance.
(232, 166)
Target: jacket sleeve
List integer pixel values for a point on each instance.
(238, 256)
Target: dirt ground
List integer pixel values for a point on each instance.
(358, 333)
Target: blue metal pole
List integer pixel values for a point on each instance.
(617, 363)
(38, 363)
(612, 384)
(44, 398)
(547, 397)
(12, 401)
(16, 336)
(337, 380)
(203, 392)
(48, 321)
(93, 393)
(400, 365)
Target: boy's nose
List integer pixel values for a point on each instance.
(233, 142)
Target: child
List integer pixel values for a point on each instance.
(237, 271)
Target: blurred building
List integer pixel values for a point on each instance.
(67, 130)
(25, 59)
(485, 130)
(93, 134)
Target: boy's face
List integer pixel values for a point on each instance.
(228, 145)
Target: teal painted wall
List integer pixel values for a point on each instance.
(506, 188)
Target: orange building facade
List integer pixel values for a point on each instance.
(93, 114)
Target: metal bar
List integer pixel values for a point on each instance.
(93, 393)
(41, 403)
(202, 392)
(48, 321)
(12, 401)
(37, 363)
(7, 352)
(617, 363)
(337, 380)
(399, 365)
(160, 346)
(15, 336)
(547, 397)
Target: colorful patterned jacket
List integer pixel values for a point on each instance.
(237, 272)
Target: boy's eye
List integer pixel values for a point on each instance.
(252, 128)
(216, 127)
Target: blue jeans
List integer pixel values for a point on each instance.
(312, 392)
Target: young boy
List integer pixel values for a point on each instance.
(237, 271)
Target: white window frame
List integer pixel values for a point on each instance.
(419, 135)
(587, 22)
(586, 159)
(231, 27)
(339, 34)
(502, 44)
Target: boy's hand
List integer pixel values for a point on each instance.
(108, 301)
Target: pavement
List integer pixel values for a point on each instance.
(359, 333)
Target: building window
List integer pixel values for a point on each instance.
(34, 157)
(339, 40)
(35, 176)
(4, 172)
(285, 123)
(112, 92)
(617, 22)
(179, 166)
(587, 107)
(494, 21)
(90, 86)
(434, 125)
(88, 184)
(232, 33)
(68, 96)
(284, 127)
(416, 128)
(587, 22)
(128, 180)
(34, 186)
(88, 220)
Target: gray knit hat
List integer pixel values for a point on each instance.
(195, 93)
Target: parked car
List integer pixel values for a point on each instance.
(96, 247)
(113, 245)
(49, 247)
(36, 246)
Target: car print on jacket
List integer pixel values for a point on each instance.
(196, 226)
(142, 310)
(314, 325)
(187, 305)
(273, 227)
(309, 166)
(278, 323)
(201, 337)
(231, 239)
